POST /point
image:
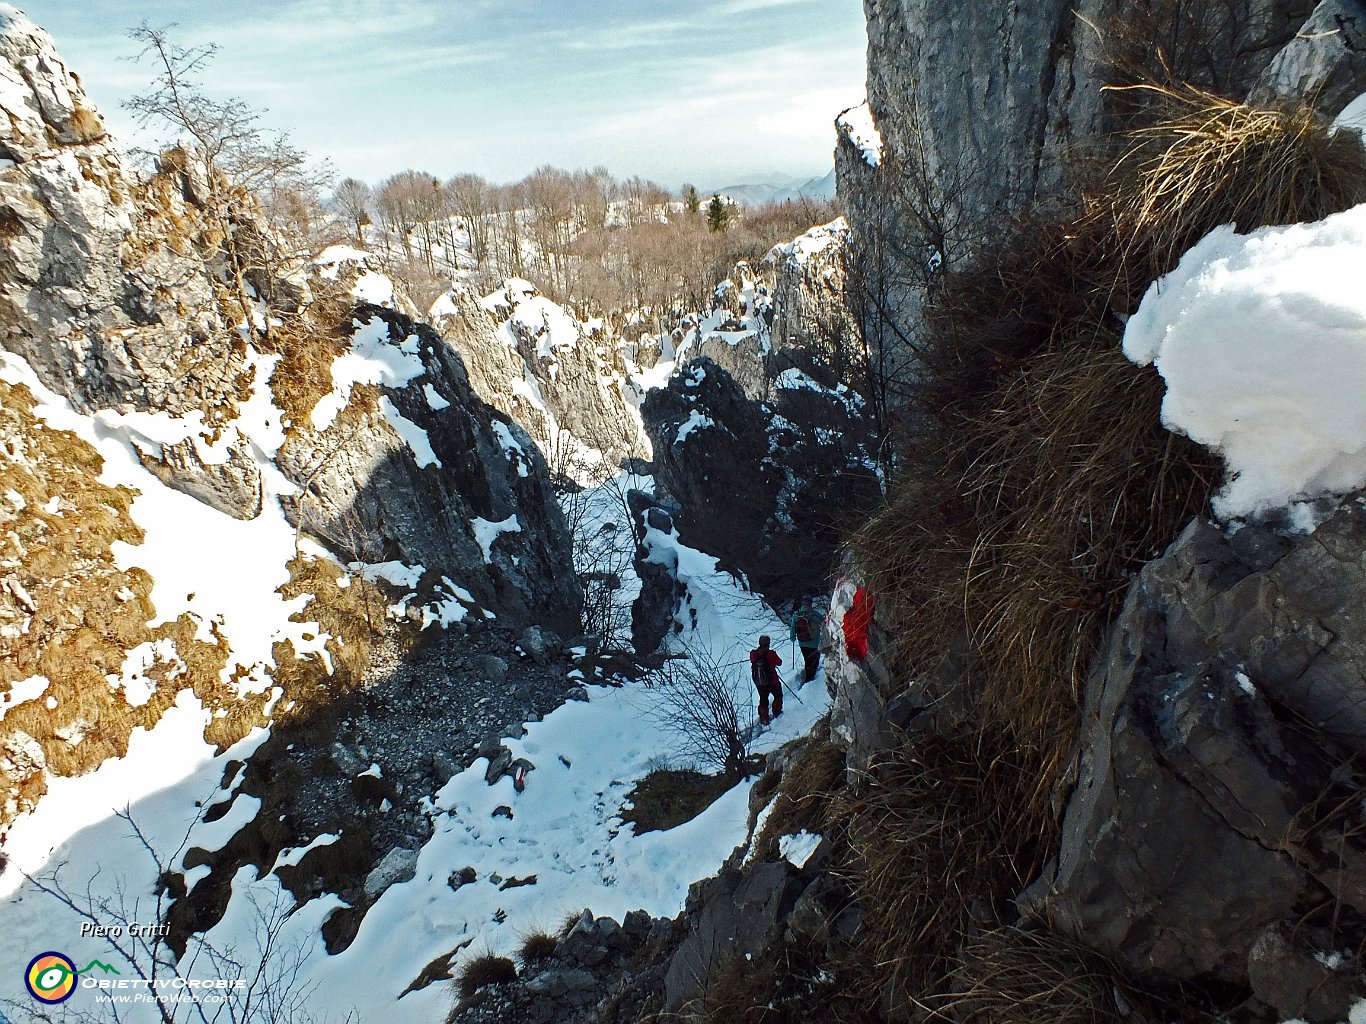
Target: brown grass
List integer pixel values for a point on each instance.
(1036, 481)
(536, 947)
(804, 799)
(308, 343)
(1012, 976)
(88, 613)
(481, 971)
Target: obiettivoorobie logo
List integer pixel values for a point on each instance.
(51, 976)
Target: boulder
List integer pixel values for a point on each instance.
(734, 914)
(1220, 727)
(398, 865)
(1325, 62)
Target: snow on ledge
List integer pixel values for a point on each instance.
(799, 848)
(858, 124)
(1261, 339)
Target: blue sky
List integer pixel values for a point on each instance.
(712, 91)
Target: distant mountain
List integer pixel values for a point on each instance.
(756, 194)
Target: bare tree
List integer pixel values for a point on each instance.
(274, 989)
(352, 200)
(237, 157)
(703, 703)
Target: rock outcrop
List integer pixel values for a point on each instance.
(1212, 831)
(765, 486)
(533, 360)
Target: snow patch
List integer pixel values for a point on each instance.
(1261, 339)
(21, 692)
(858, 124)
(485, 532)
(799, 848)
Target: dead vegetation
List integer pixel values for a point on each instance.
(1035, 480)
(74, 615)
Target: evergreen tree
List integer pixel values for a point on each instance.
(691, 201)
(718, 214)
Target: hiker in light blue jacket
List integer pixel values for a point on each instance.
(806, 631)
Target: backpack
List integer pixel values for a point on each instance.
(803, 628)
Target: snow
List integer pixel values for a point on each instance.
(399, 574)
(374, 288)
(799, 848)
(511, 446)
(330, 260)
(293, 855)
(1353, 116)
(802, 249)
(1261, 339)
(21, 692)
(695, 421)
(434, 401)
(485, 532)
(858, 124)
(133, 678)
(413, 436)
(372, 359)
(566, 829)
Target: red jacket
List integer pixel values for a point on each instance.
(763, 664)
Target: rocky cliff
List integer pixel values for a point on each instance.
(174, 375)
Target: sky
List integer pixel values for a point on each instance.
(714, 92)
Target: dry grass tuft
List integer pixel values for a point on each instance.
(1012, 976)
(308, 343)
(941, 842)
(536, 947)
(804, 800)
(1210, 161)
(486, 969)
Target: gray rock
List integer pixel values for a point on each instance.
(560, 983)
(1324, 63)
(233, 487)
(585, 943)
(398, 865)
(1290, 975)
(533, 641)
(493, 669)
(756, 480)
(1186, 838)
(731, 915)
(577, 377)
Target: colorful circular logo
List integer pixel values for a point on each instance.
(51, 978)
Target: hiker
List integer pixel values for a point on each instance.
(763, 667)
(808, 637)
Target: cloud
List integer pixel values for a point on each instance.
(501, 86)
(736, 7)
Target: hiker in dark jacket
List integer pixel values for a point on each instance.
(806, 631)
(763, 668)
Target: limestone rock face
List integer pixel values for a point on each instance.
(233, 486)
(1220, 729)
(548, 371)
(111, 304)
(1325, 62)
(365, 490)
(812, 308)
